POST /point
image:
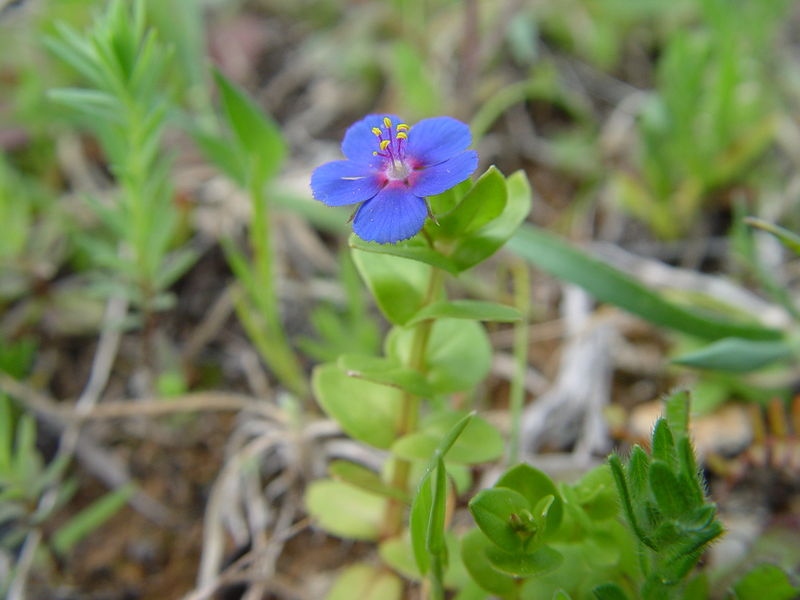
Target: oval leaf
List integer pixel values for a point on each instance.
(366, 582)
(344, 510)
(368, 412)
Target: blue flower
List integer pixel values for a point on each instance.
(390, 170)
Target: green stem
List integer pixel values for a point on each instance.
(519, 272)
(280, 357)
(409, 415)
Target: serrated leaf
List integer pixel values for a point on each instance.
(366, 411)
(736, 355)
(476, 310)
(344, 510)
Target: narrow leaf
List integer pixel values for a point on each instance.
(737, 355)
(467, 309)
(608, 284)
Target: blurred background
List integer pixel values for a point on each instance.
(153, 430)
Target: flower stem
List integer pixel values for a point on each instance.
(521, 279)
(280, 356)
(409, 416)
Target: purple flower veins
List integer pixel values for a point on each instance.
(391, 168)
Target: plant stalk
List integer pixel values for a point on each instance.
(409, 416)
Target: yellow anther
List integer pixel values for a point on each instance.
(376, 131)
(387, 121)
(385, 143)
(402, 135)
(374, 154)
(402, 127)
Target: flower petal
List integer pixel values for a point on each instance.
(342, 182)
(440, 178)
(435, 140)
(393, 215)
(359, 142)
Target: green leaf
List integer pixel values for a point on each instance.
(458, 355)
(609, 591)
(366, 582)
(258, 135)
(737, 355)
(220, 153)
(90, 518)
(538, 563)
(344, 510)
(607, 284)
(676, 410)
(637, 473)
(422, 505)
(418, 521)
(664, 444)
(414, 249)
(618, 471)
(482, 204)
(788, 238)
(672, 498)
(447, 201)
(534, 485)
(474, 547)
(368, 412)
(561, 595)
(397, 284)
(361, 477)
(480, 442)
(386, 372)
(467, 309)
(480, 244)
(435, 542)
(497, 511)
(765, 582)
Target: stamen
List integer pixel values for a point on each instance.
(401, 135)
(377, 131)
(402, 127)
(384, 144)
(388, 122)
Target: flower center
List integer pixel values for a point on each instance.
(392, 141)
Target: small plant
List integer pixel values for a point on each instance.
(127, 105)
(401, 401)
